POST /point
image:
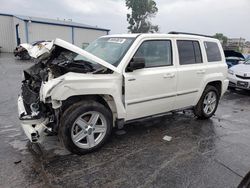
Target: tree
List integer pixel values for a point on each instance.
(141, 13)
(221, 38)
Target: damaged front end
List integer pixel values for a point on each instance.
(38, 111)
(26, 51)
(37, 118)
(21, 51)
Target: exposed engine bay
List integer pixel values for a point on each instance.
(49, 66)
(41, 102)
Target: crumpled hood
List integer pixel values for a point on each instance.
(39, 49)
(26, 46)
(37, 52)
(241, 68)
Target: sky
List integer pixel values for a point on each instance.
(229, 17)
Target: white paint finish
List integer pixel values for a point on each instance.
(242, 70)
(190, 80)
(86, 36)
(73, 84)
(193, 78)
(148, 91)
(6, 34)
(37, 31)
(38, 49)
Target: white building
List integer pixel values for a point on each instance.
(15, 29)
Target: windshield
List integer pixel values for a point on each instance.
(109, 49)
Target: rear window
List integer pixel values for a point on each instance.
(189, 52)
(213, 51)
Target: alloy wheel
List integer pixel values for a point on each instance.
(89, 129)
(209, 102)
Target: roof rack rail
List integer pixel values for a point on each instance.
(184, 33)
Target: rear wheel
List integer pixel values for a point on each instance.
(208, 103)
(85, 127)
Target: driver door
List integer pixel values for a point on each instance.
(151, 90)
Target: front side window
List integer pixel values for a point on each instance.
(213, 51)
(189, 52)
(156, 53)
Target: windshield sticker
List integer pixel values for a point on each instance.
(117, 40)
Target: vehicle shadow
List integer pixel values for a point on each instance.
(239, 91)
(142, 144)
(138, 135)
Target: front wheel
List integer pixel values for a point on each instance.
(85, 127)
(208, 103)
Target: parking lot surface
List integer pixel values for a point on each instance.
(202, 153)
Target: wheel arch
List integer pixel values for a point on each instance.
(217, 84)
(107, 100)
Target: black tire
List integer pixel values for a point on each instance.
(199, 108)
(70, 116)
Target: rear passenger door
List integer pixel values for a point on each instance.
(191, 72)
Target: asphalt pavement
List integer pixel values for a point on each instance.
(201, 153)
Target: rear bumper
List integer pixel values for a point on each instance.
(33, 128)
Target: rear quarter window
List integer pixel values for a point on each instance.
(212, 51)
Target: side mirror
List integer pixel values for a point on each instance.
(136, 63)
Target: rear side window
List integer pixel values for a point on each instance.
(156, 53)
(189, 52)
(213, 51)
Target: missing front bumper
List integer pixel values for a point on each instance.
(33, 128)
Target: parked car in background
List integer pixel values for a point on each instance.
(247, 56)
(233, 58)
(82, 94)
(23, 50)
(239, 76)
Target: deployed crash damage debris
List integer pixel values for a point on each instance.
(54, 60)
(25, 50)
(167, 138)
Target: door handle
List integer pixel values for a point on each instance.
(201, 72)
(131, 79)
(169, 75)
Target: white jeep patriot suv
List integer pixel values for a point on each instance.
(82, 94)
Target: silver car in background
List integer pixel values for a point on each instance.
(239, 76)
